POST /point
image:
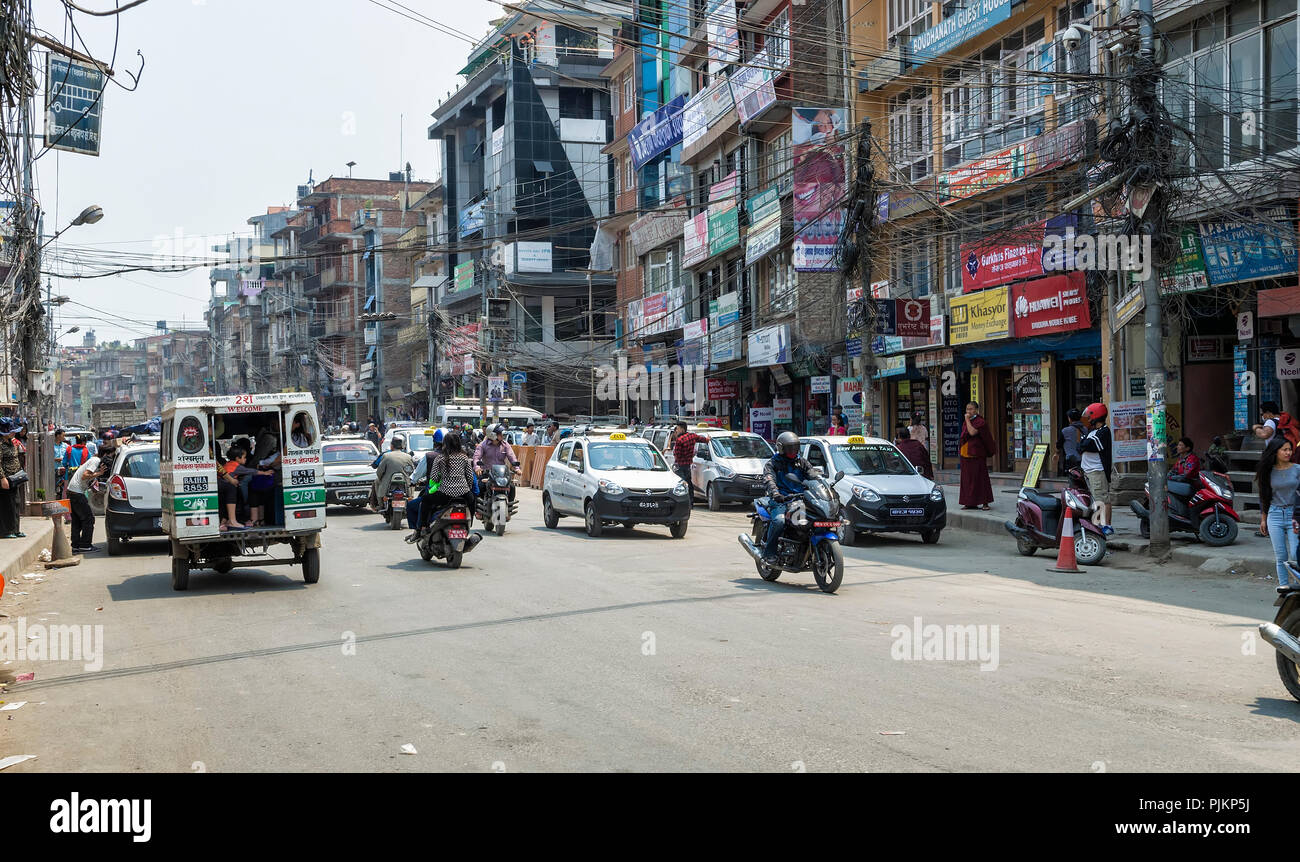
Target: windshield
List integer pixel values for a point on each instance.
(419, 442)
(349, 453)
(626, 456)
(741, 447)
(870, 460)
(141, 465)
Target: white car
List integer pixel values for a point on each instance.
(613, 480)
(405, 428)
(348, 474)
(133, 501)
(729, 468)
(881, 490)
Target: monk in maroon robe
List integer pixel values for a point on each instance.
(976, 446)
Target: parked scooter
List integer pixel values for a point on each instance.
(392, 508)
(1284, 634)
(1040, 517)
(1202, 506)
(497, 504)
(448, 536)
(811, 539)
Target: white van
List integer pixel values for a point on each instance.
(196, 432)
(460, 413)
(729, 468)
(613, 479)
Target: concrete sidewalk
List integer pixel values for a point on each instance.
(19, 555)
(1250, 554)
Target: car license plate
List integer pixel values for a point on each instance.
(827, 525)
(349, 496)
(907, 513)
(758, 489)
(457, 533)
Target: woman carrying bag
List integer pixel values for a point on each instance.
(12, 477)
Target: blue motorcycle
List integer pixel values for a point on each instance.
(811, 541)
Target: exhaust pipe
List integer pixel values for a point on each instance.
(472, 542)
(1281, 641)
(747, 543)
(1018, 532)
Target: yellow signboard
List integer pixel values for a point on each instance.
(1035, 466)
(979, 316)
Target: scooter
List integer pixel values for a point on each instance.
(1284, 634)
(392, 507)
(1202, 506)
(448, 536)
(811, 539)
(1040, 518)
(497, 504)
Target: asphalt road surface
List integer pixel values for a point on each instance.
(548, 650)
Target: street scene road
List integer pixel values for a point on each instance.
(548, 650)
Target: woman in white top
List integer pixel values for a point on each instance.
(918, 431)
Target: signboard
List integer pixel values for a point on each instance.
(891, 366)
(724, 310)
(657, 133)
(1128, 429)
(820, 385)
(528, 257)
(695, 329)
(1204, 348)
(979, 316)
(1058, 303)
(1287, 363)
(725, 344)
(1016, 254)
(74, 105)
(1035, 468)
(695, 239)
(769, 346)
(471, 218)
(464, 276)
(850, 391)
(704, 109)
(764, 210)
(720, 390)
(496, 387)
(952, 412)
(1128, 306)
(1245, 326)
(912, 318)
(518, 380)
(1187, 272)
(998, 169)
(498, 140)
(760, 421)
(1241, 251)
(815, 245)
(783, 409)
(655, 229)
(969, 21)
(752, 88)
(1137, 387)
(723, 216)
(724, 35)
(886, 324)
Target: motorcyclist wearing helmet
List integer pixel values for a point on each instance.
(386, 466)
(420, 478)
(495, 449)
(1096, 463)
(785, 461)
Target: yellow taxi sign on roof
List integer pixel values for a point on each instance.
(857, 438)
(735, 433)
(618, 435)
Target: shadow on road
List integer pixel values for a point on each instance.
(159, 585)
(1276, 707)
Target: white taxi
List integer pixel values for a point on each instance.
(614, 479)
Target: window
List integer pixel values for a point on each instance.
(778, 163)
(140, 465)
(907, 18)
(566, 448)
(629, 97)
(189, 436)
(570, 318)
(1000, 100)
(782, 283)
(662, 271)
(629, 175)
(532, 307)
(910, 139)
(778, 40)
(911, 271)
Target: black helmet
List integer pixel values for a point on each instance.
(788, 443)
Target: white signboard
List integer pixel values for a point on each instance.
(821, 385)
(1245, 326)
(783, 409)
(695, 330)
(1288, 363)
(704, 110)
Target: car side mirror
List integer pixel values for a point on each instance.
(839, 475)
(702, 451)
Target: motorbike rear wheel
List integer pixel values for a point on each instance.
(1218, 531)
(394, 520)
(1286, 668)
(500, 528)
(454, 558)
(828, 566)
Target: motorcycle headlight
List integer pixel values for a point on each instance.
(1217, 486)
(862, 492)
(725, 472)
(681, 490)
(611, 487)
(936, 494)
(1075, 502)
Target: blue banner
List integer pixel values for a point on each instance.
(658, 132)
(967, 23)
(1245, 251)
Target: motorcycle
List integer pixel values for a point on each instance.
(497, 504)
(448, 536)
(1284, 634)
(392, 507)
(811, 539)
(1202, 506)
(1041, 517)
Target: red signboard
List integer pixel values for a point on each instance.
(723, 389)
(997, 262)
(912, 318)
(1058, 303)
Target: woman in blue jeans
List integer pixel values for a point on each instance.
(1279, 480)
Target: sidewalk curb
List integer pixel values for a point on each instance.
(17, 556)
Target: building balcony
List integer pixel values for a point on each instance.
(316, 329)
(334, 230)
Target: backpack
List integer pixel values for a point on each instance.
(1288, 428)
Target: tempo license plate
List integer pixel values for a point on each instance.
(457, 533)
(827, 525)
(907, 513)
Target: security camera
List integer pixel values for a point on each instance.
(1073, 36)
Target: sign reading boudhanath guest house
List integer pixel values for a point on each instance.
(970, 20)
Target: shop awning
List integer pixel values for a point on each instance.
(1078, 345)
(1282, 302)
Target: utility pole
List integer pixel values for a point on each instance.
(1149, 137)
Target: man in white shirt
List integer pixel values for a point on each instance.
(531, 437)
(83, 519)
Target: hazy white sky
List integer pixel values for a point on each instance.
(239, 99)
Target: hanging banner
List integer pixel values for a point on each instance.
(753, 88)
(657, 133)
(764, 210)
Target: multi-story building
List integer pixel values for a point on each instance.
(525, 182)
(174, 363)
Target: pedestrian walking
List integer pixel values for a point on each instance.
(83, 518)
(976, 447)
(1095, 461)
(1068, 440)
(918, 431)
(11, 471)
(683, 443)
(1278, 478)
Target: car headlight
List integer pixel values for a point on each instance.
(681, 490)
(611, 487)
(725, 472)
(936, 494)
(862, 492)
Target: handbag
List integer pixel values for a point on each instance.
(17, 479)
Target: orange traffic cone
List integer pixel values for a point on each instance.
(1065, 561)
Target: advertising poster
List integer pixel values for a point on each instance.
(979, 316)
(760, 421)
(1128, 429)
(1245, 251)
(1058, 303)
(753, 88)
(819, 186)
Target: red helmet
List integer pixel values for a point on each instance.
(1094, 413)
